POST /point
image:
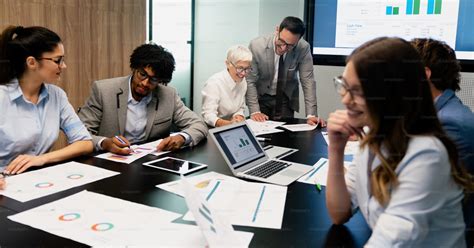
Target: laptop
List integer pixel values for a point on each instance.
(247, 159)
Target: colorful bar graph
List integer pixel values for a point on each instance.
(437, 9)
(430, 10)
(389, 10)
(416, 7)
(395, 10)
(409, 7)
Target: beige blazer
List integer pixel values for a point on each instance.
(105, 112)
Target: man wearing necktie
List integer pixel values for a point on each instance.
(280, 62)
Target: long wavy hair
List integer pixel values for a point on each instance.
(400, 106)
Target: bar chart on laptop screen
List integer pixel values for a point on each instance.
(360, 21)
(239, 144)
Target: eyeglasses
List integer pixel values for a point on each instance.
(142, 75)
(342, 88)
(281, 43)
(59, 60)
(242, 69)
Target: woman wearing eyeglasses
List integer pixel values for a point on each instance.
(223, 95)
(33, 110)
(406, 180)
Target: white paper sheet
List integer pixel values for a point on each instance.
(266, 127)
(216, 229)
(278, 151)
(300, 127)
(200, 182)
(50, 180)
(319, 173)
(245, 203)
(138, 152)
(99, 220)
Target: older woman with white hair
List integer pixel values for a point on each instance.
(223, 95)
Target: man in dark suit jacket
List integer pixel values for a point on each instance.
(298, 68)
(140, 107)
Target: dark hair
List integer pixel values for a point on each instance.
(441, 59)
(293, 24)
(18, 43)
(400, 105)
(157, 57)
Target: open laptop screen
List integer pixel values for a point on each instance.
(239, 145)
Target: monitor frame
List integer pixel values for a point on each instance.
(340, 60)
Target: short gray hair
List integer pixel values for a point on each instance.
(238, 53)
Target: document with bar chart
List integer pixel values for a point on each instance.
(360, 21)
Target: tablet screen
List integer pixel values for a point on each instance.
(174, 165)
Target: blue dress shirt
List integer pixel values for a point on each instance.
(424, 210)
(27, 128)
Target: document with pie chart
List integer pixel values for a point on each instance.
(35, 184)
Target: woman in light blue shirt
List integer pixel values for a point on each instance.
(406, 180)
(33, 110)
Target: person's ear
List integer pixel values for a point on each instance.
(31, 62)
(277, 29)
(428, 72)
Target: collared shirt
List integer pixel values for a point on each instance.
(222, 97)
(136, 120)
(136, 117)
(28, 128)
(424, 210)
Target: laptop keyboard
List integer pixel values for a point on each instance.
(267, 169)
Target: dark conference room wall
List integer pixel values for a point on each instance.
(98, 36)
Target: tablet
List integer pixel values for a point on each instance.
(175, 165)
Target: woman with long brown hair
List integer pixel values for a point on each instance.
(406, 180)
(33, 108)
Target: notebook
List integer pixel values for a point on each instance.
(247, 159)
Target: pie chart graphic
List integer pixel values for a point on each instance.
(69, 217)
(102, 227)
(43, 185)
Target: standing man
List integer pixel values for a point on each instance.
(140, 107)
(278, 60)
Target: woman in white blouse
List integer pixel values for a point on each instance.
(223, 95)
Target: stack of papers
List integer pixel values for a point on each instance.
(242, 203)
(50, 180)
(265, 127)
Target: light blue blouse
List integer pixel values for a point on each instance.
(423, 211)
(27, 128)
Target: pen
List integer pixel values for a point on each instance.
(318, 186)
(123, 142)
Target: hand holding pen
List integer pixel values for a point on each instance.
(123, 142)
(117, 144)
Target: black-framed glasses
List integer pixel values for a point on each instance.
(342, 89)
(142, 75)
(281, 43)
(58, 60)
(242, 69)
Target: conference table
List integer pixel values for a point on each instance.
(306, 222)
